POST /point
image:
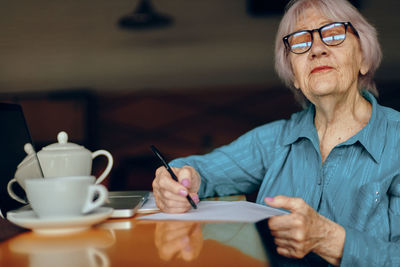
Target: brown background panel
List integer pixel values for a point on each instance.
(178, 122)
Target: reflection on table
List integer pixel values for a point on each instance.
(118, 242)
(132, 242)
(80, 249)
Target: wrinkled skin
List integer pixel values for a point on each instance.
(170, 195)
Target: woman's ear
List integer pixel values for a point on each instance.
(364, 68)
(296, 83)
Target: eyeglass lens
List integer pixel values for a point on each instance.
(332, 34)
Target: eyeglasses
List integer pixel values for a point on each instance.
(331, 34)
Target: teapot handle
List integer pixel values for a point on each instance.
(109, 164)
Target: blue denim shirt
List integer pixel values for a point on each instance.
(358, 186)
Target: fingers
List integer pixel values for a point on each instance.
(297, 206)
(189, 178)
(164, 182)
(195, 197)
(170, 195)
(167, 202)
(284, 202)
(293, 235)
(291, 249)
(292, 232)
(287, 221)
(184, 175)
(289, 252)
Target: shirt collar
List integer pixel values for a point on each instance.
(370, 137)
(301, 125)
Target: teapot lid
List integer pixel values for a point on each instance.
(30, 154)
(62, 144)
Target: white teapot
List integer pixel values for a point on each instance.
(56, 160)
(69, 159)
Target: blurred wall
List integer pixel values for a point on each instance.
(57, 44)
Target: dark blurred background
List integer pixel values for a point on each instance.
(186, 76)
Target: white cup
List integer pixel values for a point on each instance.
(65, 196)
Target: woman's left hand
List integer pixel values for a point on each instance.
(304, 230)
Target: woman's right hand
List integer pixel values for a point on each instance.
(170, 195)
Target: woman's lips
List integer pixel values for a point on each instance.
(321, 68)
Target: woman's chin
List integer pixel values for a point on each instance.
(322, 89)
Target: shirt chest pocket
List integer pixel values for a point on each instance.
(370, 208)
(394, 192)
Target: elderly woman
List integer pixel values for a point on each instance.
(335, 165)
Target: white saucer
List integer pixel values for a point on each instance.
(28, 219)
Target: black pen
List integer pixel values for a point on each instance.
(164, 162)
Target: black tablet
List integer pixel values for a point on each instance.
(14, 134)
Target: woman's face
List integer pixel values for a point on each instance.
(326, 70)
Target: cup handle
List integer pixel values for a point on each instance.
(101, 199)
(11, 192)
(109, 164)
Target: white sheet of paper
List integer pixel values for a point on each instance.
(232, 211)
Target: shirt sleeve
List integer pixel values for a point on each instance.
(361, 249)
(237, 168)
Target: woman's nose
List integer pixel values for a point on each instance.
(318, 47)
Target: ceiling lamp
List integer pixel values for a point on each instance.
(144, 17)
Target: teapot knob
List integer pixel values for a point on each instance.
(62, 137)
(28, 148)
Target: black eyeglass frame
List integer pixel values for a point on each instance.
(346, 25)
